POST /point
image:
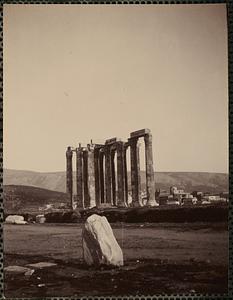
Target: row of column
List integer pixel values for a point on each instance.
(96, 177)
(109, 176)
(96, 180)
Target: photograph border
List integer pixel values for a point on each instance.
(164, 296)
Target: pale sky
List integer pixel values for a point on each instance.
(74, 73)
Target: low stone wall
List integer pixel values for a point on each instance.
(171, 214)
(174, 214)
(63, 217)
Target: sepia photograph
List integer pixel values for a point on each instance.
(116, 163)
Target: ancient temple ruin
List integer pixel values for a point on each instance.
(103, 183)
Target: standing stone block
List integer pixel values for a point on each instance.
(99, 244)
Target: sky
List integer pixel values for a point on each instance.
(78, 72)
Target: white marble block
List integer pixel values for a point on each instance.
(99, 243)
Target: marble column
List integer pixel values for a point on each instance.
(126, 174)
(97, 176)
(150, 184)
(69, 175)
(135, 172)
(114, 197)
(121, 175)
(79, 177)
(101, 173)
(86, 198)
(108, 175)
(91, 177)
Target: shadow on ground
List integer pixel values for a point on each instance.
(136, 277)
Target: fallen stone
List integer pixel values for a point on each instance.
(42, 265)
(29, 272)
(17, 269)
(99, 244)
(40, 219)
(15, 219)
(21, 222)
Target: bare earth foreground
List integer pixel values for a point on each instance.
(159, 258)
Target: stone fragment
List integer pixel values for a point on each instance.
(15, 219)
(41, 265)
(40, 219)
(17, 269)
(99, 244)
(29, 272)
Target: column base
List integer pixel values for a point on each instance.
(121, 204)
(135, 204)
(152, 202)
(104, 205)
(92, 204)
(79, 204)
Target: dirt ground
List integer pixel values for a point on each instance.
(159, 259)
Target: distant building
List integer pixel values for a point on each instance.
(213, 199)
(175, 191)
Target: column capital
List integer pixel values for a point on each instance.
(90, 147)
(126, 145)
(69, 152)
(133, 141)
(148, 138)
(106, 148)
(120, 146)
(101, 150)
(78, 150)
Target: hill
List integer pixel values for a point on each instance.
(51, 181)
(56, 181)
(21, 199)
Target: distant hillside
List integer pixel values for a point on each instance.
(52, 181)
(20, 198)
(208, 182)
(190, 181)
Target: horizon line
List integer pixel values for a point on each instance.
(64, 171)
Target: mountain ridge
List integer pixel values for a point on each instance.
(56, 181)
